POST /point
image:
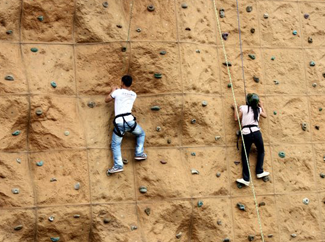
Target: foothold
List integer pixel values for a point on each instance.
(155, 108)
(105, 4)
(239, 185)
(66, 133)
(282, 154)
(266, 16)
(33, 49)
(229, 85)
(261, 204)
(9, 78)
(218, 174)
(76, 216)
(322, 175)
(91, 104)
(151, 8)
(143, 189)
(15, 190)
(158, 75)
(39, 112)
(276, 82)
(252, 56)
(237, 163)
(256, 79)
(273, 58)
(197, 51)
(8, 32)
(77, 186)
(241, 206)
(306, 15)
(169, 141)
(314, 84)
(320, 109)
(204, 103)
(179, 235)
(107, 220)
(323, 74)
(138, 30)
(226, 240)
(163, 52)
(18, 160)
(193, 121)
(251, 237)
(193, 171)
(55, 239)
(324, 158)
(133, 227)
(123, 49)
(125, 161)
(270, 235)
(216, 138)
(266, 179)
(317, 127)
(16, 133)
(147, 211)
(249, 9)
(163, 162)
(19, 227)
(252, 30)
(225, 36)
(53, 179)
(312, 63)
(227, 64)
(40, 163)
(275, 113)
(188, 29)
(53, 84)
(304, 126)
(40, 18)
(293, 235)
(294, 32)
(219, 222)
(222, 13)
(193, 154)
(158, 129)
(184, 5)
(199, 204)
(51, 218)
(310, 40)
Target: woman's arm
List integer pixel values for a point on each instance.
(263, 113)
(235, 114)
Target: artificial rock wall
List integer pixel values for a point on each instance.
(81, 46)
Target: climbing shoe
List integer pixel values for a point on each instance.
(242, 181)
(141, 157)
(114, 170)
(264, 174)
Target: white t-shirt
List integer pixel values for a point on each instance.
(124, 100)
(248, 119)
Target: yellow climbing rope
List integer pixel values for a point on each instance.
(237, 113)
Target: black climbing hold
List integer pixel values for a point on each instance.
(163, 52)
(33, 49)
(310, 40)
(105, 4)
(91, 104)
(222, 13)
(125, 161)
(204, 103)
(314, 84)
(217, 137)
(119, 26)
(251, 237)
(293, 235)
(39, 112)
(227, 63)
(107, 220)
(193, 121)
(19, 227)
(163, 162)
(138, 30)
(261, 204)
(249, 9)
(252, 56)
(276, 82)
(266, 16)
(40, 18)
(306, 15)
(304, 126)
(322, 175)
(265, 179)
(226, 240)
(184, 5)
(229, 85)
(169, 141)
(147, 211)
(317, 127)
(143, 189)
(9, 78)
(188, 29)
(151, 8)
(225, 36)
(8, 32)
(158, 75)
(155, 108)
(179, 235)
(53, 179)
(16, 133)
(219, 222)
(237, 163)
(123, 49)
(256, 79)
(270, 235)
(252, 30)
(133, 227)
(76, 216)
(218, 174)
(241, 206)
(324, 74)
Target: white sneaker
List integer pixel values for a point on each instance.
(261, 175)
(242, 181)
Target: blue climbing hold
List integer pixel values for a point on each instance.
(199, 204)
(55, 239)
(33, 49)
(40, 18)
(40, 163)
(16, 133)
(282, 154)
(273, 58)
(294, 32)
(53, 84)
(193, 154)
(312, 63)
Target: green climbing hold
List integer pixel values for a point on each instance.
(55, 239)
(147, 211)
(249, 9)
(163, 52)
(294, 32)
(16, 133)
(312, 63)
(151, 8)
(33, 49)
(155, 108)
(304, 126)
(282, 154)
(9, 78)
(40, 163)
(193, 154)
(199, 204)
(53, 84)
(66, 133)
(229, 85)
(251, 237)
(158, 75)
(222, 13)
(239, 185)
(198, 51)
(91, 104)
(241, 206)
(40, 18)
(227, 63)
(273, 58)
(143, 189)
(266, 179)
(275, 113)
(77, 186)
(8, 32)
(19, 227)
(314, 84)
(320, 109)
(216, 138)
(256, 79)
(252, 56)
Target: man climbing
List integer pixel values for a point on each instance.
(249, 116)
(124, 121)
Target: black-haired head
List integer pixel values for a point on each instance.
(127, 80)
(252, 99)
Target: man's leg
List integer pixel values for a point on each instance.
(140, 138)
(248, 144)
(116, 148)
(258, 141)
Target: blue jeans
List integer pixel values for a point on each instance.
(117, 140)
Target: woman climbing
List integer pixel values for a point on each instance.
(249, 116)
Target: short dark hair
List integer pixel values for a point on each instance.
(127, 80)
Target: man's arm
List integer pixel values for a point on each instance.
(109, 97)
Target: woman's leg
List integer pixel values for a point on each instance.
(248, 144)
(258, 141)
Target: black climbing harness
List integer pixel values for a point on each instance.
(238, 133)
(117, 131)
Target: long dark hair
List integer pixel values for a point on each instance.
(252, 102)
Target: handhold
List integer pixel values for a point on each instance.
(225, 36)
(55, 239)
(270, 235)
(39, 112)
(33, 49)
(312, 63)
(276, 82)
(163, 52)
(199, 204)
(76, 216)
(324, 158)
(91, 104)
(218, 174)
(310, 40)
(125, 161)
(158, 75)
(158, 129)
(282, 154)
(193, 154)
(107, 220)
(40, 163)
(304, 126)
(226, 240)
(266, 16)
(237, 163)
(273, 58)
(123, 49)
(51, 218)
(249, 9)
(261, 204)
(19, 227)
(193, 121)
(323, 74)
(322, 175)
(53, 84)
(163, 162)
(40, 18)
(155, 108)
(18, 160)
(265, 179)
(216, 138)
(179, 235)
(197, 51)
(251, 237)
(293, 235)
(138, 30)
(256, 79)
(66, 133)
(306, 15)
(53, 179)
(193, 171)
(241, 206)
(184, 5)
(169, 141)
(16, 133)
(151, 8)
(227, 63)
(147, 211)
(275, 113)
(317, 127)
(105, 4)
(15, 190)
(9, 78)
(8, 32)
(143, 189)
(188, 29)
(314, 84)
(133, 227)
(252, 30)
(229, 85)
(204, 103)
(77, 186)
(222, 13)
(320, 109)
(119, 26)
(219, 222)
(294, 32)
(252, 56)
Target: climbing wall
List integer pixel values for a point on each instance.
(58, 60)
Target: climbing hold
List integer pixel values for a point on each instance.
(169, 141)
(273, 58)
(158, 129)
(107, 220)
(304, 126)
(105, 4)
(91, 104)
(55, 239)
(138, 30)
(119, 26)
(270, 235)
(155, 108)
(9, 78)
(314, 84)
(261, 204)
(239, 185)
(179, 235)
(237, 163)
(151, 8)
(188, 29)
(312, 63)
(39, 112)
(252, 56)
(320, 109)
(294, 32)
(197, 51)
(158, 75)
(306, 15)
(219, 222)
(199, 204)
(216, 138)
(282, 154)
(226, 240)
(225, 36)
(251, 237)
(241, 206)
(133, 227)
(293, 235)
(249, 9)
(324, 158)
(76, 216)
(147, 211)
(16, 133)
(323, 74)
(184, 5)
(8, 32)
(218, 174)
(276, 82)
(163, 162)
(40, 163)
(227, 64)
(19, 227)
(77, 186)
(322, 175)
(193, 171)
(204, 103)
(123, 49)
(222, 13)
(229, 85)
(33, 49)
(53, 179)
(51, 218)
(163, 52)
(15, 190)
(125, 161)
(40, 18)
(310, 40)
(193, 121)
(66, 133)
(266, 16)
(252, 30)
(18, 160)
(256, 79)
(143, 189)
(53, 84)
(193, 154)
(317, 127)
(265, 179)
